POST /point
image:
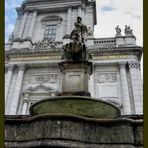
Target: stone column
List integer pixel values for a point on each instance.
(79, 11)
(137, 90)
(32, 24)
(83, 12)
(17, 89)
(69, 21)
(8, 78)
(23, 22)
(25, 103)
(125, 92)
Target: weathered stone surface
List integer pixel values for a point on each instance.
(75, 76)
(76, 105)
(61, 130)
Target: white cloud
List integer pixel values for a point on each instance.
(9, 28)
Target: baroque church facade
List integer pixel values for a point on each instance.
(35, 47)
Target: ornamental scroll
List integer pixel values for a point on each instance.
(45, 44)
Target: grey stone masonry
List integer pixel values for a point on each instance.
(72, 131)
(137, 87)
(15, 97)
(125, 91)
(75, 76)
(8, 78)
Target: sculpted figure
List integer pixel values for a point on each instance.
(77, 35)
(128, 30)
(118, 30)
(76, 51)
(89, 32)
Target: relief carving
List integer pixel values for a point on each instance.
(45, 44)
(106, 78)
(51, 78)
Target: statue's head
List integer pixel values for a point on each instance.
(79, 19)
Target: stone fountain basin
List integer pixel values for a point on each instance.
(76, 105)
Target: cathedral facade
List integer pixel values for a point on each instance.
(35, 48)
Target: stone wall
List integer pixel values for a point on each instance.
(72, 131)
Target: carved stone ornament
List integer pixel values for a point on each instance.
(106, 78)
(21, 67)
(122, 65)
(134, 65)
(45, 44)
(118, 31)
(89, 32)
(128, 31)
(52, 78)
(9, 67)
(76, 50)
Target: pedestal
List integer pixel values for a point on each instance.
(75, 77)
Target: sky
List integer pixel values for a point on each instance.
(110, 13)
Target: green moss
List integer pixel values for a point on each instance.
(78, 106)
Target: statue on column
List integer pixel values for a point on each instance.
(78, 33)
(75, 51)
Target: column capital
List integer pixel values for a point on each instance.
(26, 94)
(70, 7)
(134, 65)
(9, 67)
(25, 100)
(26, 97)
(21, 67)
(122, 65)
(26, 12)
(35, 10)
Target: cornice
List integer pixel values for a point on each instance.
(94, 50)
(31, 51)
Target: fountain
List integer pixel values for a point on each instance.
(75, 99)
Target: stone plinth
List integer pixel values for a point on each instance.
(71, 131)
(130, 40)
(75, 76)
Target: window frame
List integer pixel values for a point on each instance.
(50, 32)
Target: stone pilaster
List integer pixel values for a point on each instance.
(83, 11)
(8, 77)
(25, 103)
(137, 90)
(32, 24)
(79, 11)
(69, 20)
(124, 87)
(58, 31)
(17, 89)
(23, 22)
